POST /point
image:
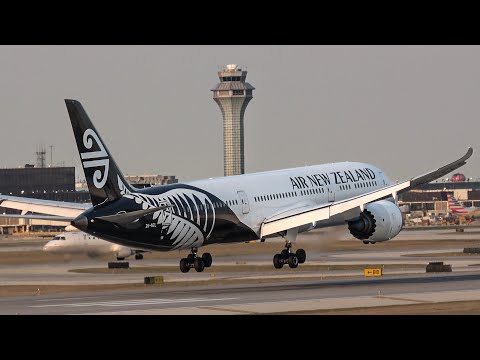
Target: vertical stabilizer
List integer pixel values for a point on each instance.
(101, 172)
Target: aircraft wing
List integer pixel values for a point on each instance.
(309, 214)
(50, 207)
(37, 217)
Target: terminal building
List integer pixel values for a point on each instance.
(432, 197)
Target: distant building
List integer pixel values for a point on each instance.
(31, 180)
(139, 181)
(151, 180)
(47, 183)
(432, 197)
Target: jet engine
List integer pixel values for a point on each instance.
(122, 251)
(379, 221)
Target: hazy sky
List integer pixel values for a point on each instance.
(406, 109)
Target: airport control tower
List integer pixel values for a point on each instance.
(233, 94)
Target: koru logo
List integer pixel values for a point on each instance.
(99, 179)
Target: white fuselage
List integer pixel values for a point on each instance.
(266, 194)
(78, 242)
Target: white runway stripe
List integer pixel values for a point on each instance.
(132, 302)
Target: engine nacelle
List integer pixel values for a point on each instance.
(379, 221)
(123, 251)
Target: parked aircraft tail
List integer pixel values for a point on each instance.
(455, 205)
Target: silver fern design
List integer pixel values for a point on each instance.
(99, 178)
(189, 221)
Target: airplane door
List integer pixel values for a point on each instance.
(244, 201)
(331, 194)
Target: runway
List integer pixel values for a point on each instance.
(270, 298)
(242, 279)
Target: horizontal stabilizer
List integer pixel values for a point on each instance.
(128, 217)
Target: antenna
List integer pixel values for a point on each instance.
(51, 155)
(41, 156)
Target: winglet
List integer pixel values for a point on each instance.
(444, 170)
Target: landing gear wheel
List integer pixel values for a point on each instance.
(366, 242)
(198, 264)
(284, 254)
(190, 257)
(120, 258)
(301, 255)
(292, 261)
(184, 265)
(207, 259)
(278, 261)
(138, 257)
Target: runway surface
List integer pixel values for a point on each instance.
(337, 282)
(258, 298)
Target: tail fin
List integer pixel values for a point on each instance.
(455, 205)
(103, 176)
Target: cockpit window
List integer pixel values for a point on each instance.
(59, 238)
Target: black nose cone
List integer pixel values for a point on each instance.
(80, 222)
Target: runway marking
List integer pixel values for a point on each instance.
(231, 310)
(133, 302)
(401, 299)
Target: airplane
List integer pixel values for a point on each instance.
(78, 242)
(459, 209)
(241, 208)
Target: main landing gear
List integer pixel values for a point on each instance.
(194, 261)
(288, 257)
